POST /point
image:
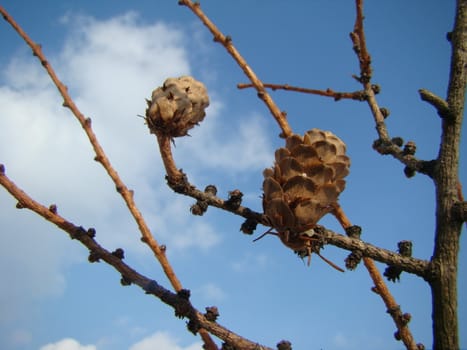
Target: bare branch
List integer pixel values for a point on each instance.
(337, 96)
(440, 104)
(384, 144)
(178, 301)
(226, 41)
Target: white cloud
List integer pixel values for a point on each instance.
(163, 341)
(67, 344)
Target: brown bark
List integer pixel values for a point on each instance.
(448, 225)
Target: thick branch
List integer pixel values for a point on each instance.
(226, 41)
(178, 301)
(448, 225)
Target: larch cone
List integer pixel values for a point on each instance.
(305, 181)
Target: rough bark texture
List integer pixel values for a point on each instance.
(448, 225)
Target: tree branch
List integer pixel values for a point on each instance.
(440, 104)
(178, 301)
(337, 96)
(226, 41)
(384, 144)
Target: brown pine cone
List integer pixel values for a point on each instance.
(305, 181)
(177, 106)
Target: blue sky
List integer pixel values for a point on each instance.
(111, 55)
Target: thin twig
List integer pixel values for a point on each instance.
(384, 145)
(226, 41)
(101, 157)
(400, 319)
(336, 95)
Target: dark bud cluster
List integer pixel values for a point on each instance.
(393, 273)
(409, 172)
(124, 281)
(410, 148)
(352, 260)
(199, 208)
(284, 345)
(184, 294)
(385, 112)
(398, 141)
(249, 226)
(119, 253)
(212, 313)
(93, 257)
(354, 231)
(235, 199)
(193, 326)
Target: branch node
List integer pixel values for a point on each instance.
(235, 199)
(119, 253)
(376, 88)
(385, 112)
(393, 273)
(94, 257)
(410, 148)
(249, 226)
(409, 172)
(193, 326)
(398, 141)
(53, 208)
(184, 294)
(124, 281)
(20, 205)
(353, 259)
(91, 232)
(2, 169)
(284, 345)
(78, 233)
(405, 318)
(354, 231)
(151, 288)
(212, 313)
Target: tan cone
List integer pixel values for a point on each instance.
(305, 181)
